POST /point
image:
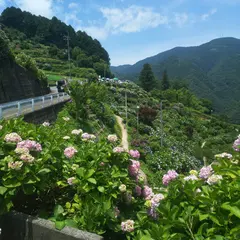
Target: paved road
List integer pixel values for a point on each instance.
(10, 110)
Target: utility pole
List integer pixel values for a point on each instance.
(138, 120)
(104, 72)
(126, 107)
(67, 38)
(161, 119)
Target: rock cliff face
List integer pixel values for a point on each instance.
(18, 83)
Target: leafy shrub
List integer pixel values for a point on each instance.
(147, 114)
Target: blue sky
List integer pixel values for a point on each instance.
(132, 30)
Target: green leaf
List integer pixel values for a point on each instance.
(71, 223)
(80, 172)
(58, 211)
(89, 173)
(29, 189)
(234, 210)
(60, 225)
(44, 171)
(214, 219)
(2, 190)
(203, 216)
(146, 238)
(12, 183)
(101, 189)
(92, 180)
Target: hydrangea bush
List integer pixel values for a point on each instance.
(83, 180)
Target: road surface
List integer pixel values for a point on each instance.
(12, 109)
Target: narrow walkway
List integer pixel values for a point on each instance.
(124, 142)
(125, 145)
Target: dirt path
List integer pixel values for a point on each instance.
(124, 142)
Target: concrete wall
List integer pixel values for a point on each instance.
(46, 114)
(18, 226)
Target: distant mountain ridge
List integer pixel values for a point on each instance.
(212, 70)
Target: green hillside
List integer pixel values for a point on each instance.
(75, 172)
(211, 69)
(45, 41)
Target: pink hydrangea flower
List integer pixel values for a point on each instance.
(171, 175)
(118, 150)
(128, 226)
(147, 193)
(236, 144)
(70, 180)
(30, 145)
(138, 191)
(205, 172)
(134, 153)
(13, 137)
(134, 168)
(70, 152)
(86, 136)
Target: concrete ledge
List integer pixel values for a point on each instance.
(19, 226)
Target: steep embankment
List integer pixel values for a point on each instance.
(16, 82)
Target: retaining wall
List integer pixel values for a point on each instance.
(19, 226)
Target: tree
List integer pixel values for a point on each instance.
(165, 81)
(147, 79)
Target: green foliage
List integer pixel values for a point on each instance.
(45, 31)
(147, 79)
(83, 191)
(165, 84)
(5, 52)
(28, 63)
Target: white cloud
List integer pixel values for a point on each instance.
(73, 5)
(207, 15)
(72, 18)
(38, 7)
(180, 19)
(132, 19)
(96, 32)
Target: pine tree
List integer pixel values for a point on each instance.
(147, 79)
(165, 81)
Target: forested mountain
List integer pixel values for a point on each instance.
(45, 41)
(52, 31)
(211, 69)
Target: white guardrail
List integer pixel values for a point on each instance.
(17, 108)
